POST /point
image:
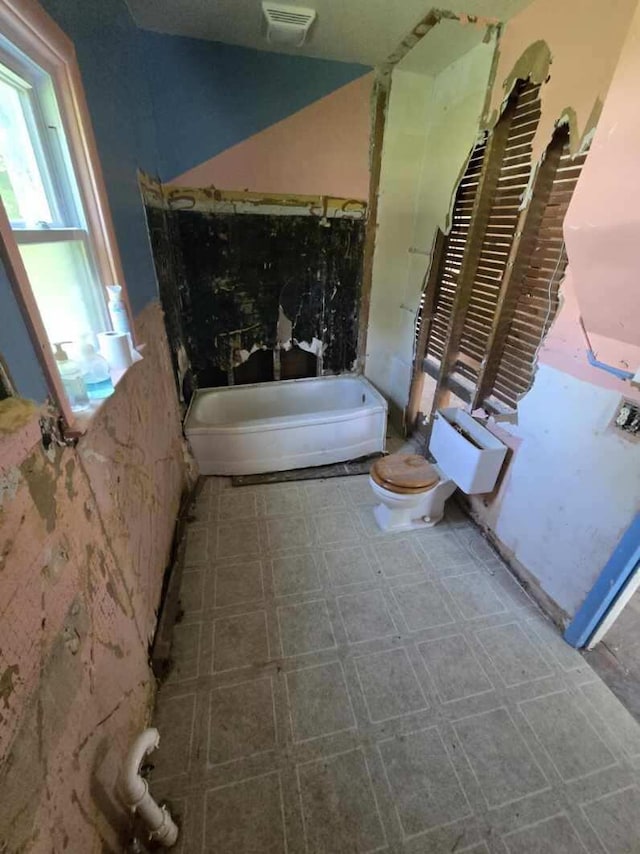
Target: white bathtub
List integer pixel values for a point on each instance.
(292, 424)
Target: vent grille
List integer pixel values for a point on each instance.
(279, 16)
(287, 25)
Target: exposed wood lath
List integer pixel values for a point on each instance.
(504, 206)
(483, 214)
(536, 292)
(494, 284)
(452, 249)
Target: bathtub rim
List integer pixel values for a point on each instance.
(283, 422)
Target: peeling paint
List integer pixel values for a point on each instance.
(84, 547)
(68, 483)
(9, 484)
(533, 64)
(573, 48)
(6, 683)
(314, 346)
(15, 412)
(214, 200)
(284, 330)
(92, 456)
(56, 561)
(41, 480)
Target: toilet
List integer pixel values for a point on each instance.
(412, 491)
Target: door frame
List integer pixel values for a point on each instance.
(616, 583)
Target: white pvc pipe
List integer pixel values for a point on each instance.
(135, 791)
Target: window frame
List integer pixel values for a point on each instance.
(27, 26)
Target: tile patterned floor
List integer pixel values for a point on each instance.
(338, 691)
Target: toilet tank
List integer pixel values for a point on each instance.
(471, 458)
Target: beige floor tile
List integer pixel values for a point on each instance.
(338, 689)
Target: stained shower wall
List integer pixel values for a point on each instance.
(256, 289)
(85, 532)
(572, 486)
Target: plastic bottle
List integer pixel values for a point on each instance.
(72, 381)
(118, 310)
(95, 372)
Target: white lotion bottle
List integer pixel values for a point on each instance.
(118, 310)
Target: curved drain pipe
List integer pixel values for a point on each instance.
(135, 791)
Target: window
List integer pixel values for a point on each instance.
(57, 236)
(492, 291)
(43, 204)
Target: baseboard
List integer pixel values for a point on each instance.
(525, 578)
(160, 652)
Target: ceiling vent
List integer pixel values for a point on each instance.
(287, 25)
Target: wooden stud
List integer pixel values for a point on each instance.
(522, 249)
(430, 291)
(381, 101)
(479, 218)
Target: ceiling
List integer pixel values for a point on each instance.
(364, 31)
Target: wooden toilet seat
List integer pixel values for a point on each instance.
(404, 474)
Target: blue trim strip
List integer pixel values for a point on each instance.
(617, 372)
(604, 592)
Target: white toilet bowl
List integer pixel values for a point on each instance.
(398, 511)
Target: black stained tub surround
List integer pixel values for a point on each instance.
(167, 257)
(235, 287)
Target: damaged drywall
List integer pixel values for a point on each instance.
(572, 46)
(245, 280)
(86, 537)
(559, 534)
(432, 125)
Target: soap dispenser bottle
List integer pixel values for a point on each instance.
(95, 372)
(72, 381)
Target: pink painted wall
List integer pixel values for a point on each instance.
(602, 227)
(588, 68)
(601, 234)
(584, 39)
(571, 488)
(85, 537)
(565, 346)
(320, 150)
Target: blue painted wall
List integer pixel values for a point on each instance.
(106, 41)
(17, 350)
(163, 104)
(208, 96)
